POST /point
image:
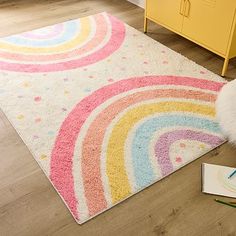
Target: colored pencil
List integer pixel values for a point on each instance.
(232, 174)
(225, 203)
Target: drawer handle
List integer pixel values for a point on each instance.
(182, 7)
(187, 7)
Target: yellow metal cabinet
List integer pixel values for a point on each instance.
(173, 20)
(209, 23)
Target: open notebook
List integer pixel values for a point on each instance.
(215, 180)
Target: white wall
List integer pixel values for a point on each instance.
(140, 3)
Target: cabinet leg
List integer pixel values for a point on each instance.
(145, 25)
(225, 67)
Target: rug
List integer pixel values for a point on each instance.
(105, 110)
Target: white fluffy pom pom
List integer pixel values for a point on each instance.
(226, 110)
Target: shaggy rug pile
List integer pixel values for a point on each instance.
(105, 110)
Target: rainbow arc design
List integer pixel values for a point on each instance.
(120, 138)
(127, 134)
(64, 46)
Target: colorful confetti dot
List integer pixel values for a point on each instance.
(37, 120)
(26, 84)
(66, 92)
(182, 145)
(43, 156)
(20, 117)
(91, 76)
(178, 159)
(37, 99)
(145, 62)
(202, 146)
(165, 62)
(64, 109)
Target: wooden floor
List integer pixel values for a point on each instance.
(175, 206)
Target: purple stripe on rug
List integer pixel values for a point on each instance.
(162, 146)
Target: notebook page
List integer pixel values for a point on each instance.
(215, 180)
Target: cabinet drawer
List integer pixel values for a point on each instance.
(165, 12)
(209, 23)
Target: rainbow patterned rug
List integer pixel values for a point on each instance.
(105, 110)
